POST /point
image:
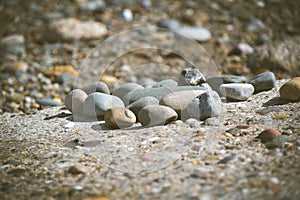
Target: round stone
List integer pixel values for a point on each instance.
(156, 115)
(96, 87)
(74, 100)
(263, 81)
(97, 103)
(136, 106)
(237, 91)
(124, 89)
(200, 34)
(119, 118)
(290, 91)
(268, 135)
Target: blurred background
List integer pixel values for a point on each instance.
(43, 42)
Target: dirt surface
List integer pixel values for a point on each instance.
(44, 155)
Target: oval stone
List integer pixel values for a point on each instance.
(119, 118)
(74, 100)
(290, 91)
(263, 81)
(156, 115)
(124, 89)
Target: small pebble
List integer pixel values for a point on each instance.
(237, 91)
(290, 91)
(200, 34)
(169, 24)
(119, 117)
(268, 134)
(263, 81)
(156, 115)
(127, 15)
(168, 83)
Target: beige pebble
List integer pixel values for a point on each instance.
(119, 118)
(290, 91)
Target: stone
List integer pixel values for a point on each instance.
(216, 81)
(241, 49)
(119, 118)
(290, 91)
(127, 15)
(96, 104)
(136, 106)
(263, 81)
(199, 34)
(169, 24)
(268, 134)
(212, 121)
(158, 93)
(96, 87)
(156, 115)
(191, 77)
(12, 40)
(168, 83)
(90, 6)
(48, 102)
(147, 82)
(178, 101)
(74, 29)
(204, 106)
(278, 142)
(74, 100)
(237, 91)
(125, 88)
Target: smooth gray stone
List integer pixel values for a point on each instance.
(97, 103)
(205, 106)
(216, 81)
(136, 106)
(263, 81)
(147, 82)
(237, 91)
(158, 93)
(169, 23)
(124, 89)
(156, 115)
(96, 87)
(48, 102)
(168, 83)
(200, 34)
(74, 100)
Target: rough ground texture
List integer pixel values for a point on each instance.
(45, 156)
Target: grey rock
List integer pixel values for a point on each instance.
(205, 106)
(136, 106)
(216, 81)
(95, 5)
(179, 100)
(96, 87)
(48, 102)
(124, 89)
(97, 103)
(158, 93)
(156, 115)
(263, 81)
(169, 23)
(74, 100)
(200, 34)
(237, 91)
(168, 83)
(191, 77)
(12, 40)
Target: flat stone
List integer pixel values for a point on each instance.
(290, 91)
(200, 34)
(191, 77)
(216, 81)
(136, 106)
(263, 81)
(97, 103)
(237, 91)
(156, 115)
(119, 118)
(168, 83)
(48, 102)
(125, 88)
(169, 23)
(204, 106)
(74, 29)
(74, 100)
(178, 101)
(158, 93)
(268, 134)
(96, 87)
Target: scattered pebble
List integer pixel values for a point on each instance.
(156, 115)
(200, 34)
(263, 81)
(119, 117)
(237, 91)
(290, 91)
(268, 134)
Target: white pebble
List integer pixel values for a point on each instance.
(127, 15)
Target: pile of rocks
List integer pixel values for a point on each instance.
(157, 104)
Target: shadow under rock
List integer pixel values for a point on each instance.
(60, 115)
